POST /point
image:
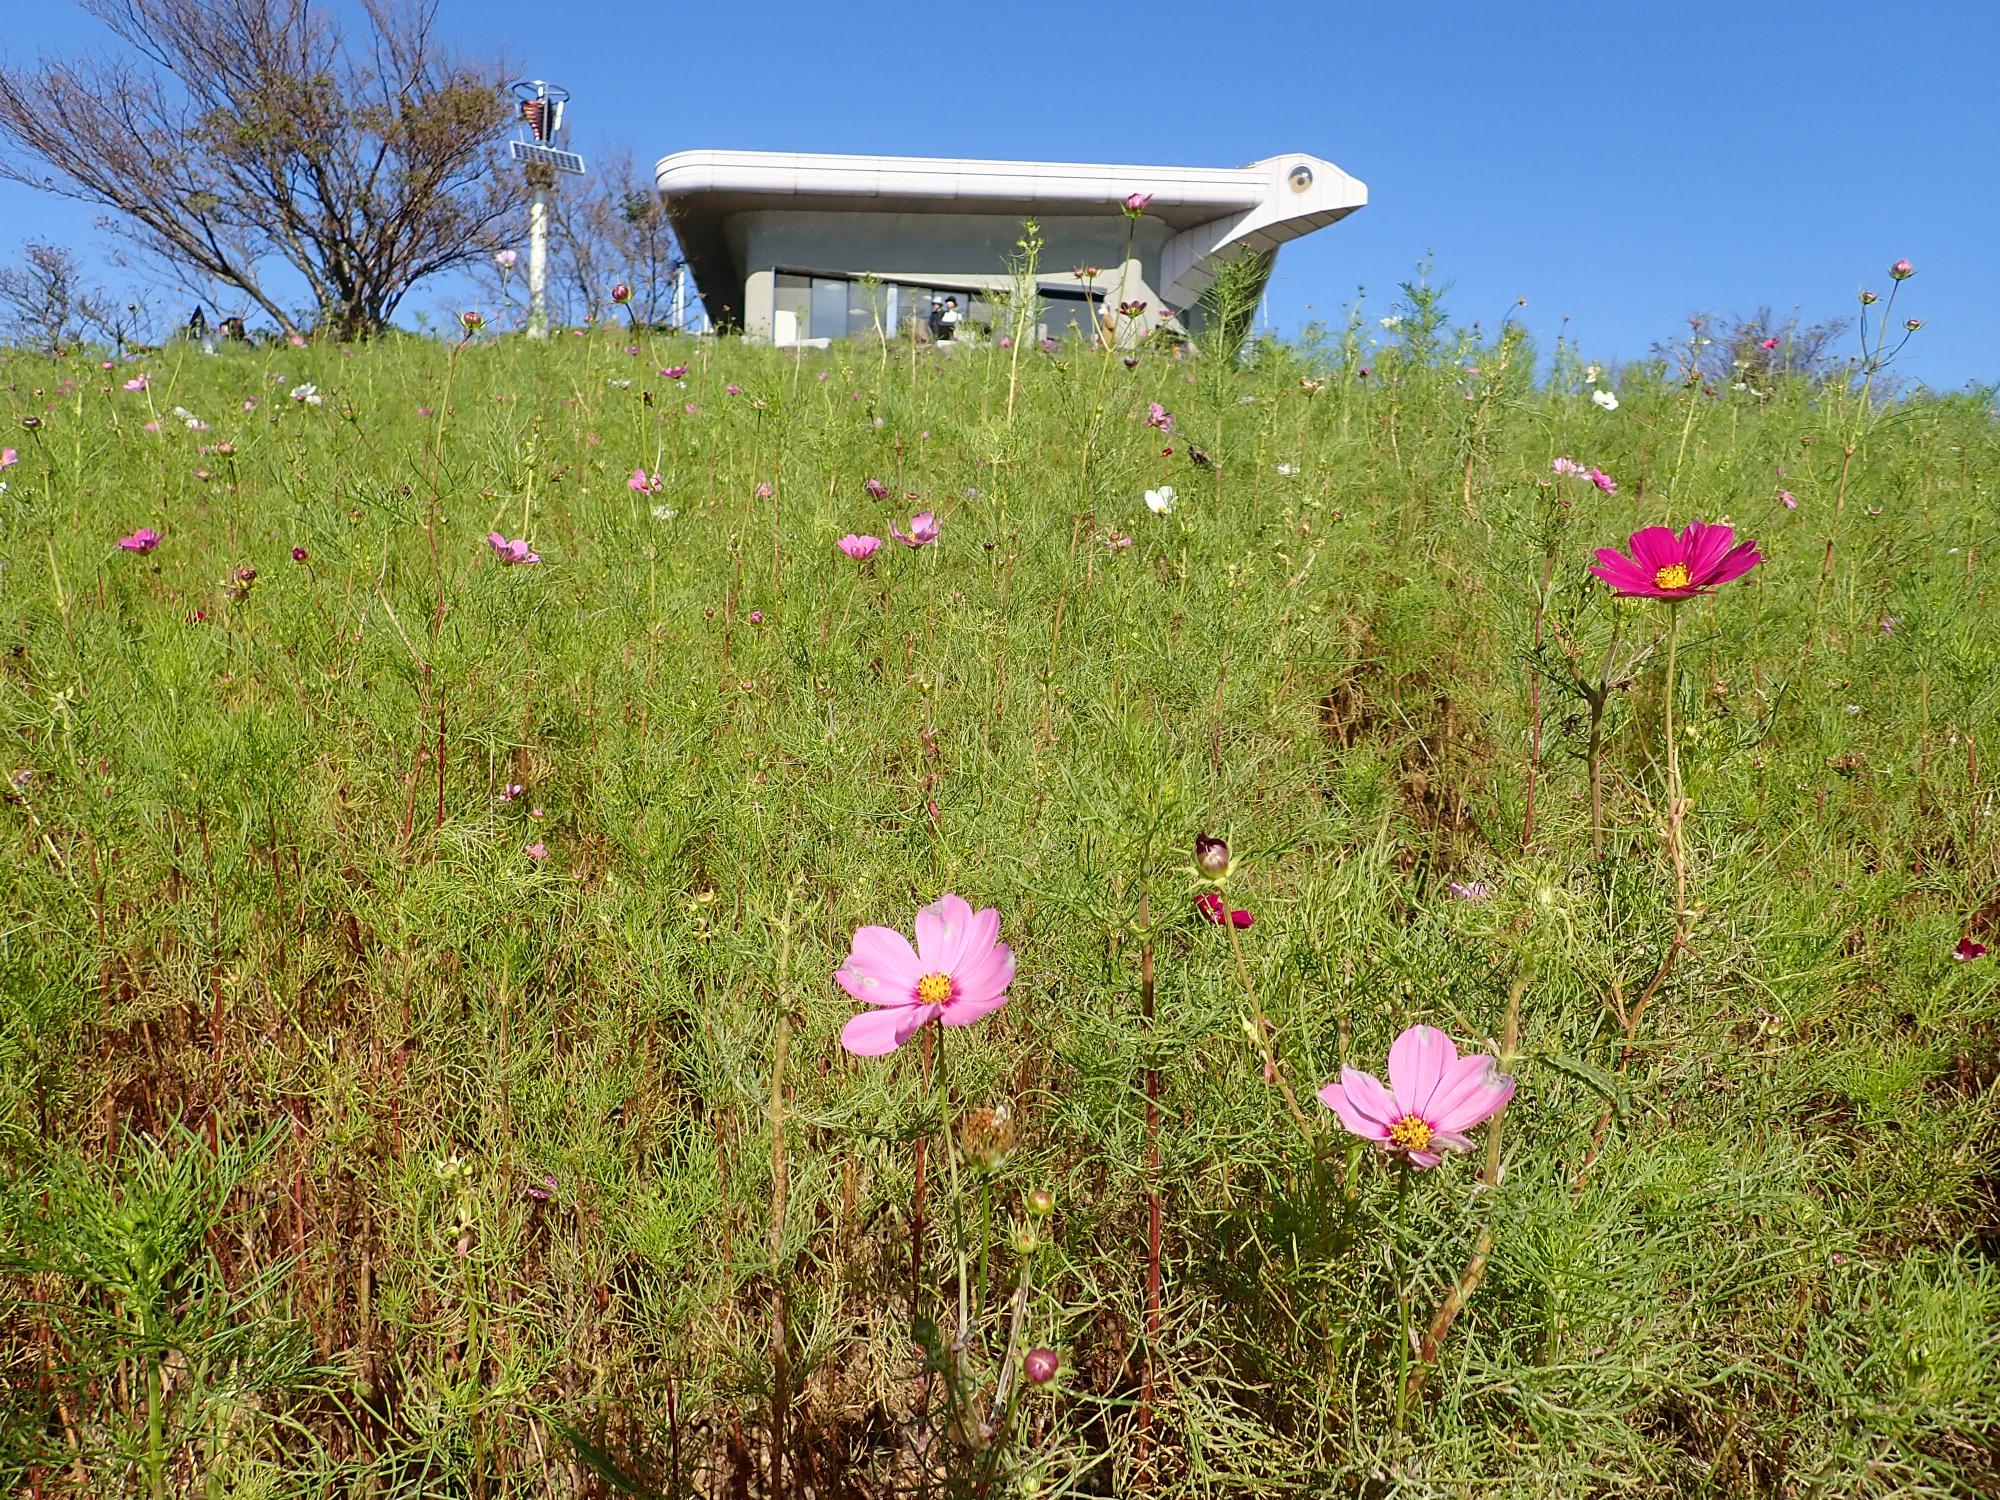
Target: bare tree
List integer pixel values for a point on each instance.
(238, 133)
(44, 299)
(608, 227)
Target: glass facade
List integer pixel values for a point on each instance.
(806, 309)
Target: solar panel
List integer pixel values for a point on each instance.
(545, 156)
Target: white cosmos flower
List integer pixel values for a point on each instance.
(1590, 374)
(1160, 501)
(1605, 399)
(308, 394)
(1393, 321)
(1288, 470)
(664, 513)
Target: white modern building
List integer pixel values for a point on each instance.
(798, 249)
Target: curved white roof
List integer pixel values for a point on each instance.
(1215, 212)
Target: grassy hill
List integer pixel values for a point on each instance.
(419, 1047)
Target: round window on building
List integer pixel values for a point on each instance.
(1301, 178)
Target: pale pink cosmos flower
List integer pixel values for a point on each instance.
(505, 259)
(8, 458)
(1666, 566)
(764, 490)
(1158, 416)
(145, 539)
(150, 427)
(511, 553)
(136, 383)
(1603, 481)
(674, 372)
(1791, 500)
(1475, 891)
(958, 972)
(1567, 468)
(860, 548)
(538, 851)
(1434, 1096)
(732, 390)
(642, 483)
(923, 530)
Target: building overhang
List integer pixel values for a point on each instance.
(1212, 213)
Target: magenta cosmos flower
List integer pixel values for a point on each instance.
(958, 972)
(860, 548)
(511, 552)
(1434, 1096)
(145, 539)
(1665, 566)
(643, 483)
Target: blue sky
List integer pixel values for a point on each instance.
(1620, 164)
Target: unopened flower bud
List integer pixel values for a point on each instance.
(621, 294)
(1041, 1366)
(1211, 856)
(472, 319)
(1041, 1203)
(1902, 270)
(1913, 324)
(1868, 297)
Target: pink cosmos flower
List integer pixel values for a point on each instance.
(538, 851)
(876, 489)
(1665, 566)
(732, 390)
(8, 458)
(958, 972)
(764, 490)
(1768, 344)
(756, 617)
(512, 790)
(1135, 203)
(675, 372)
(145, 539)
(1434, 1096)
(1603, 481)
(1476, 891)
(1158, 416)
(923, 530)
(1968, 950)
(505, 259)
(511, 553)
(642, 483)
(150, 427)
(1567, 468)
(1211, 905)
(136, 383)
(860, 548)
(1791, 500)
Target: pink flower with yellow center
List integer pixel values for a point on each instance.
(1434, 1096)
(958, 972)
(1666, 566)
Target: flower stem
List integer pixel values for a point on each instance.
(1272, 1072)
(1676, 805)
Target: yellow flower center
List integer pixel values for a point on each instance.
(1411, 1133)
(934, 989)
(1673, 576)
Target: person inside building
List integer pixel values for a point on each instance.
(949, 330)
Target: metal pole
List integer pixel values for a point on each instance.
(538, 264)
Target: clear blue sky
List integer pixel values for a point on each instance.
(1622, 163)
